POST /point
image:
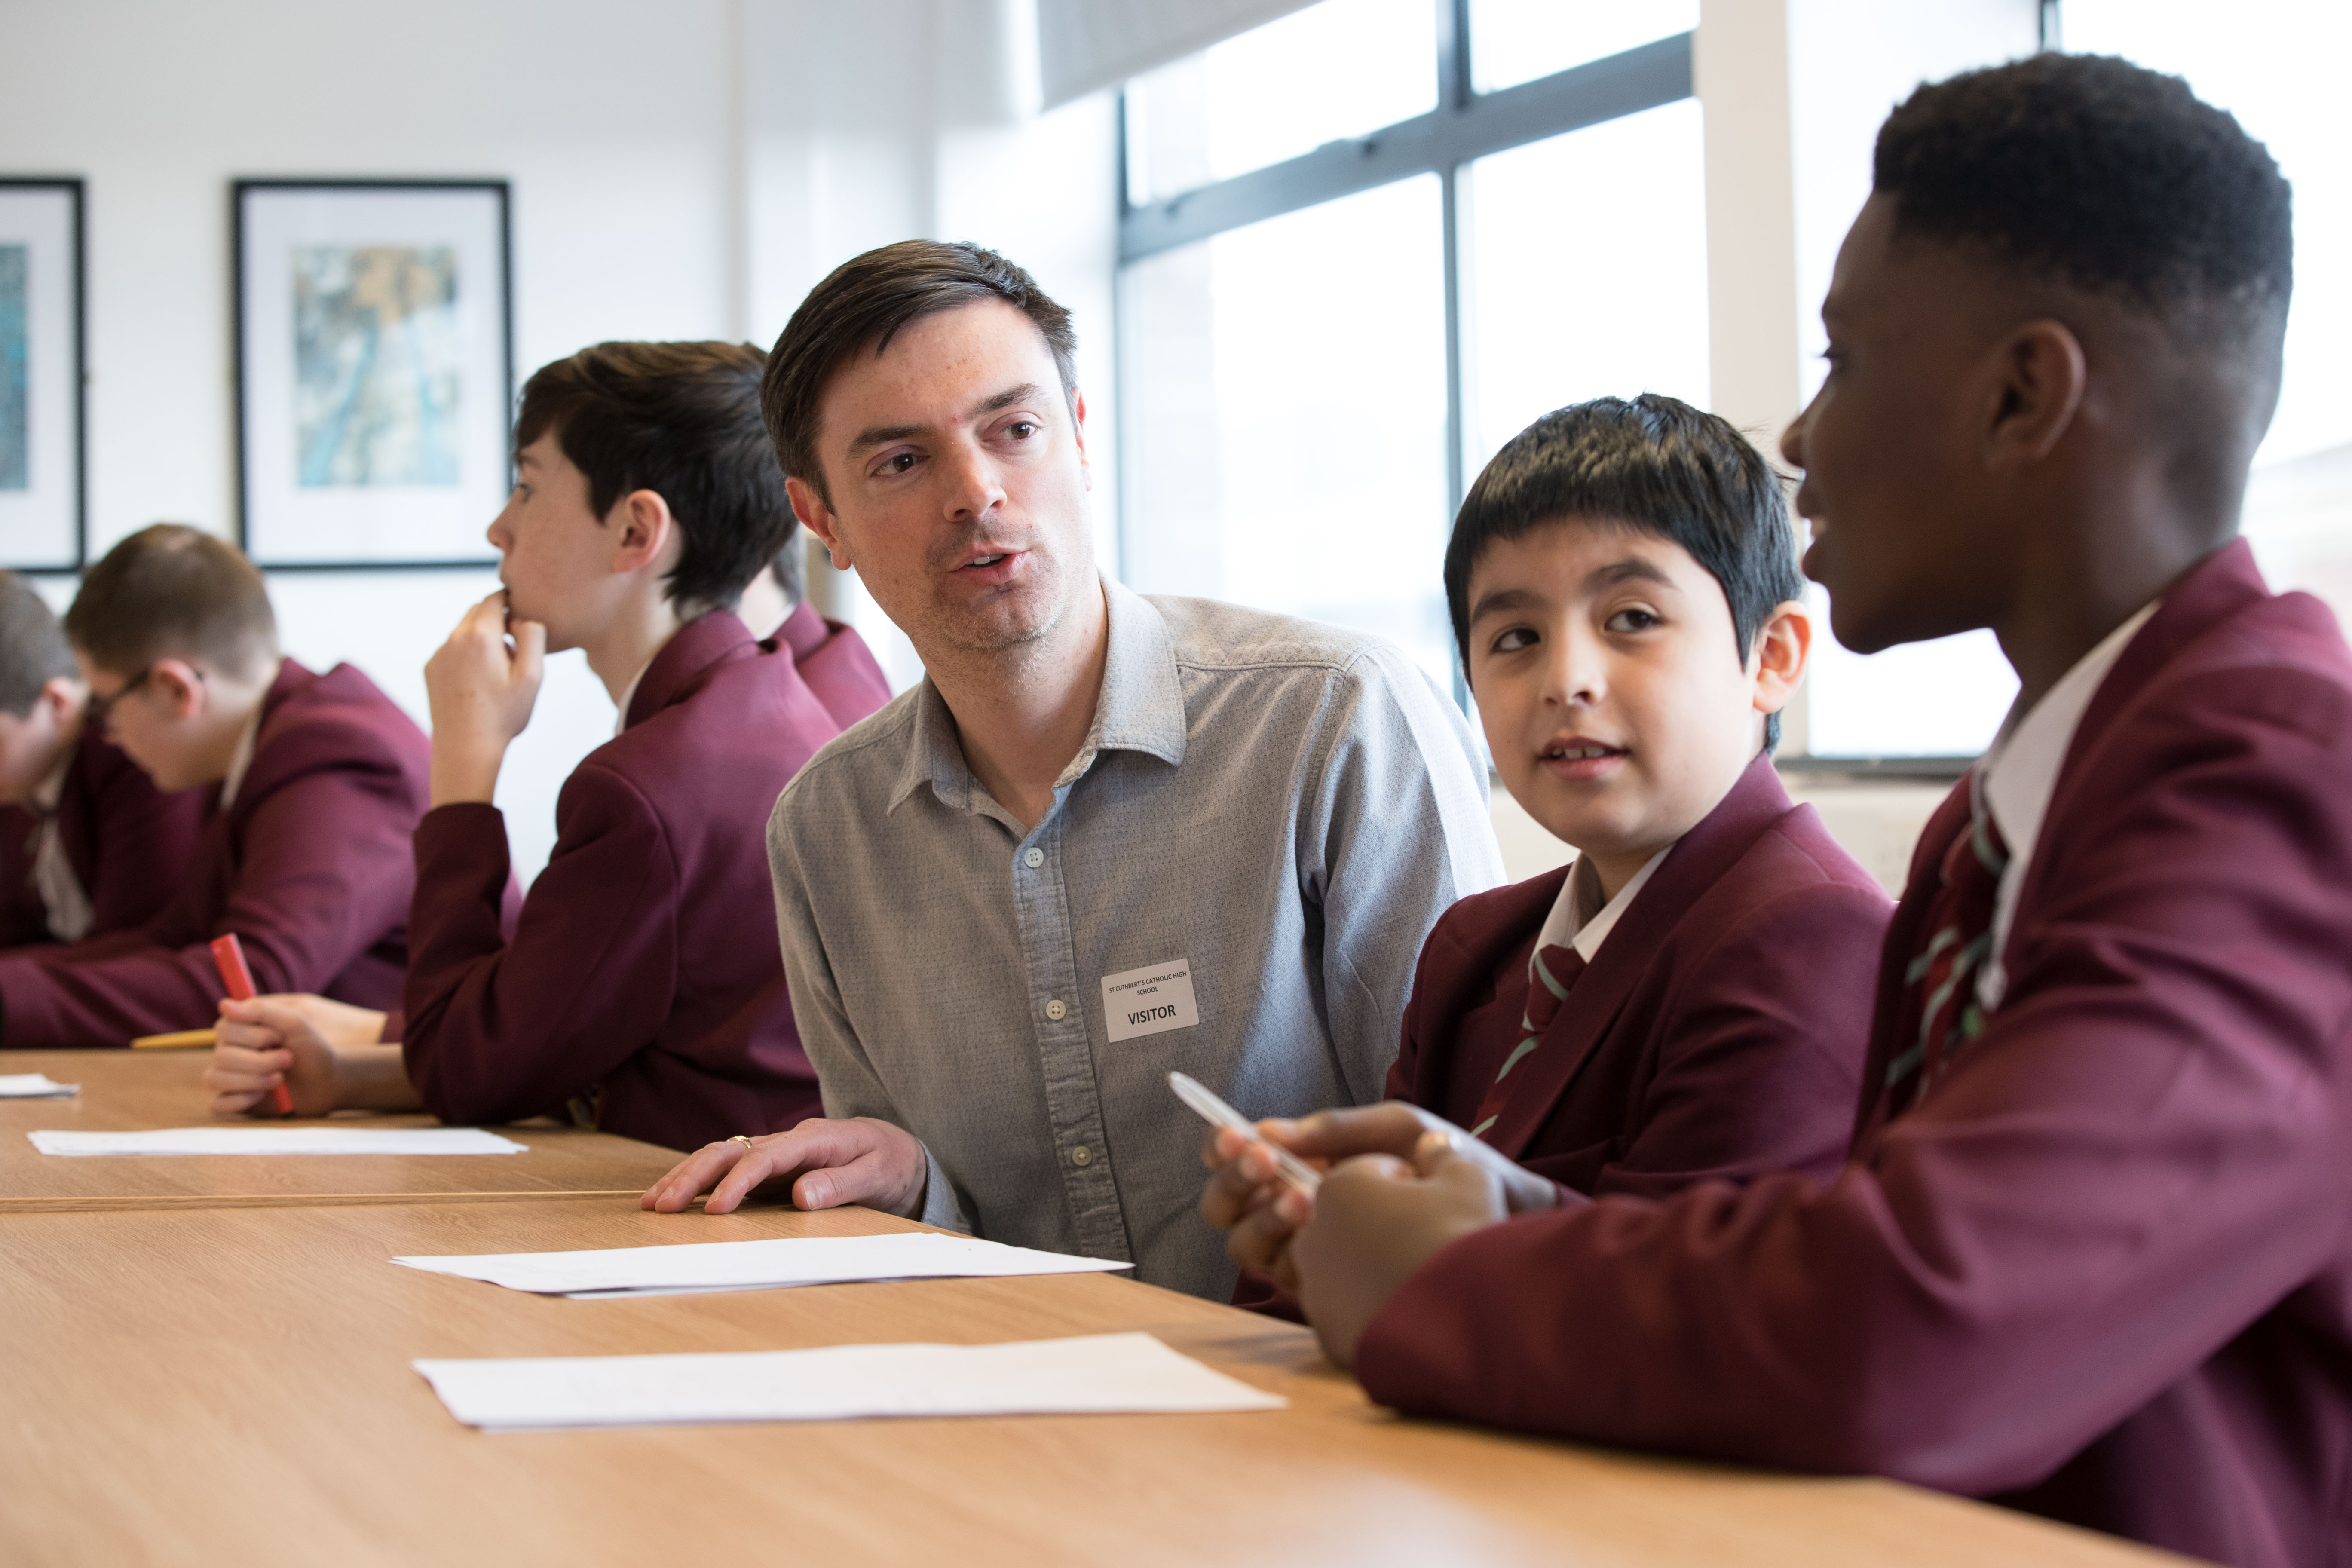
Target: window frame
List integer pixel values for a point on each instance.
(1467, 125)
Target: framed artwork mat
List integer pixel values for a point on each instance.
(375, 370)
(42, 508)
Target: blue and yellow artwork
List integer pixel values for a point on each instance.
(15, 424)
(377, 356)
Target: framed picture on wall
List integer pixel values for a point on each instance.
(374, 370)
(41, 506)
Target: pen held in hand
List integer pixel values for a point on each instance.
(1298, 1173)
(228, 957)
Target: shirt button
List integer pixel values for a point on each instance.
(1081, 1156)
(1055, 1009)
(1034, 858)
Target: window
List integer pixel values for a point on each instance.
(1362, 247)
(2275, 66)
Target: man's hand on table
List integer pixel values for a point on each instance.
(1377, 1219)
(829, 1163)
(1261, 1213)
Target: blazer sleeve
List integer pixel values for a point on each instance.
(146, 841)
(321, 877)
(1395, 830)
(1759, 1059)
(497, 1031)
(2120, 1175)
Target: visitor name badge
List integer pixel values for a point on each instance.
(1147, 1001)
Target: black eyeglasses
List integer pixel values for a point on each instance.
(100, 707)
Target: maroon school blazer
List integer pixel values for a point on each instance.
(1718, 1032)
(309, 866)
(129, 843)
(2104, 1270)
(646, 970)
(835, 665)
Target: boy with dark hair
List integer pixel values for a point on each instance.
(316, 782)
(1692, 998)
(642, 986)
(88, 845)
(2088, 1254)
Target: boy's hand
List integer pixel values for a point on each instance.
(1262, 1212)
(266, 1042)
(829, 1163)
(1376, 1220)
(481, 693)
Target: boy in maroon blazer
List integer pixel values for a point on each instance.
(1692, 998)
(643, 989)
(89, 846)
(2088, 1254)
(315, 784)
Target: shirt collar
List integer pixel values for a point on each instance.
(628, 694)
(52, 789)
(242, 758)
(1141, 706)
(2019, 771)
(1579, 919)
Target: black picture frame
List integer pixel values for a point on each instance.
(262, 537)
(75, 403)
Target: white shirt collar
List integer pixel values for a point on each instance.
(242, 758)
(52, 789)
(2019, 775)
(1579, 919)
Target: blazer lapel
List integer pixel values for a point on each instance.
(1583, 1021)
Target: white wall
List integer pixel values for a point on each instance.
(680, 170)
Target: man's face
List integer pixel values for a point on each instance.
(32, 743)
(958, 478)
(1907, 534)
(556, 554)
(1610, 685)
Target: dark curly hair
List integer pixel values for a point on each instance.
(2092, 172)
(863, 304)
(682, 420)
(1656, 465)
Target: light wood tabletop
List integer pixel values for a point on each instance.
(233, 1385)
(128, 1091)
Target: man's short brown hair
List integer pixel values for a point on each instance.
(681, 420)
(32, 651)
(862, 305)
(171, 591)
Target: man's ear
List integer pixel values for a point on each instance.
(1782, 645)
(819, 520)
(641, 529)
(1078, 433)
(2041, 374)
(182, 687)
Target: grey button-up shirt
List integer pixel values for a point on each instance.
(1279, 808)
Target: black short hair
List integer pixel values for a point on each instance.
(33, 647)
(864, 303)
(2095, 173)
(681, 420)
(1656, 465)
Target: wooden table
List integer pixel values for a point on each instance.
(123, 1091)
(232, 1385)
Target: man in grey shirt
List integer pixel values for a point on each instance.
(1106, 837)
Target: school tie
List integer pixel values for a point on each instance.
(1940, 985)
(1550, 975)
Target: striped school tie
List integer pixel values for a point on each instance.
(1550, 975)
(1940, 985)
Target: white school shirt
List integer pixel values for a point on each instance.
(1570, 925)
(2019, 775)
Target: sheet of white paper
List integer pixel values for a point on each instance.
(280, 1141)
(1093, 1375)
(35, 1086)
(754, 1265)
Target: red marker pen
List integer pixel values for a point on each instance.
(228, 956)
